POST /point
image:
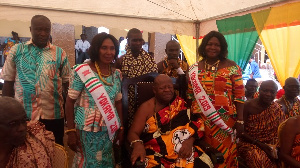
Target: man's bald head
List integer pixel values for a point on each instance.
(172, 42)
(40, 30)
(267, 91)
(291, 87)
(161, 79)
(12, 122)
(172, 49)
(9, 105)
(133, 31)
(163, 88)
(291, 81)
(269, 84)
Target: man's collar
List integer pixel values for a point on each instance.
(49, 45)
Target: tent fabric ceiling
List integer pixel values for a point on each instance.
(164, 16)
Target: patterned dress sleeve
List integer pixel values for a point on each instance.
(9, 69)
(238, 88)
(75, 86)
(65, 73)
(190, 93)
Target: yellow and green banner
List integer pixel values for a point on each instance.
(279, 31)
(241, 37)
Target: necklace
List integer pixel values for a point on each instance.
(288, 105)
(159, 123)
(208, 68)
(100, 76)
(213, 66)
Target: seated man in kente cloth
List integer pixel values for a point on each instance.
(162, 134)
(23, 144)
(262, 117)
(290, 103)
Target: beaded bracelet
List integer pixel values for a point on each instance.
(70, 130)
(134, 141)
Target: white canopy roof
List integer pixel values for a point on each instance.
(165, 16)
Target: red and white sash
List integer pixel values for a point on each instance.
(203, 100)
(100, 96)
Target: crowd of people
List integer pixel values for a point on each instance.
(42, 92)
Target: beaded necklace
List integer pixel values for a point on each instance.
(288, 105)
(208, 67)
(100, 76)
(159, 123)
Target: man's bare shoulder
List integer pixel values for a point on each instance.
(146, 109)
(250, 105)
(147, 104)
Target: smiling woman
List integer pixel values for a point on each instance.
(95, 88)
(222, 81)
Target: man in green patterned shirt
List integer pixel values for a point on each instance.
(36, 73)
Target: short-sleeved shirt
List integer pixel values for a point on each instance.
(255, 70)
(38, 74)
(87, 115)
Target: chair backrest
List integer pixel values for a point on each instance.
(143, 90)
(60, 159)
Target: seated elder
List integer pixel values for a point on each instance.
(262, 117)
(289, 142)
(162, 135)
(23, 144)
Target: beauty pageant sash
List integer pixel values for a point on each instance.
(100, 96)
(203, 100)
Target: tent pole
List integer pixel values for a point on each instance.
(197, 25)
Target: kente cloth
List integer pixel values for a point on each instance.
(223, 87)
(173, 72)
(87, 115)
(9, 43)
(296, 148)
(133, 67)
(295, 110)
(39, 74)
(262, 127)
(296, 145)
(162, 149)
(37, 151)
(97, 151)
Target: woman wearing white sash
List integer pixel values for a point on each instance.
(88, 131)
(222, 81)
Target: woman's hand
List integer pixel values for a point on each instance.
(73, 141)
(239, 129)
(138, 152)
(120, 137)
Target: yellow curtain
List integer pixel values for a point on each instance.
(188, 46)
(279, 31)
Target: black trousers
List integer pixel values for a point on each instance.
(57, 127)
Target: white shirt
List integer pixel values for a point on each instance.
(82, 45)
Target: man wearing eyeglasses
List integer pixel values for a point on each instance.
(23, 143)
